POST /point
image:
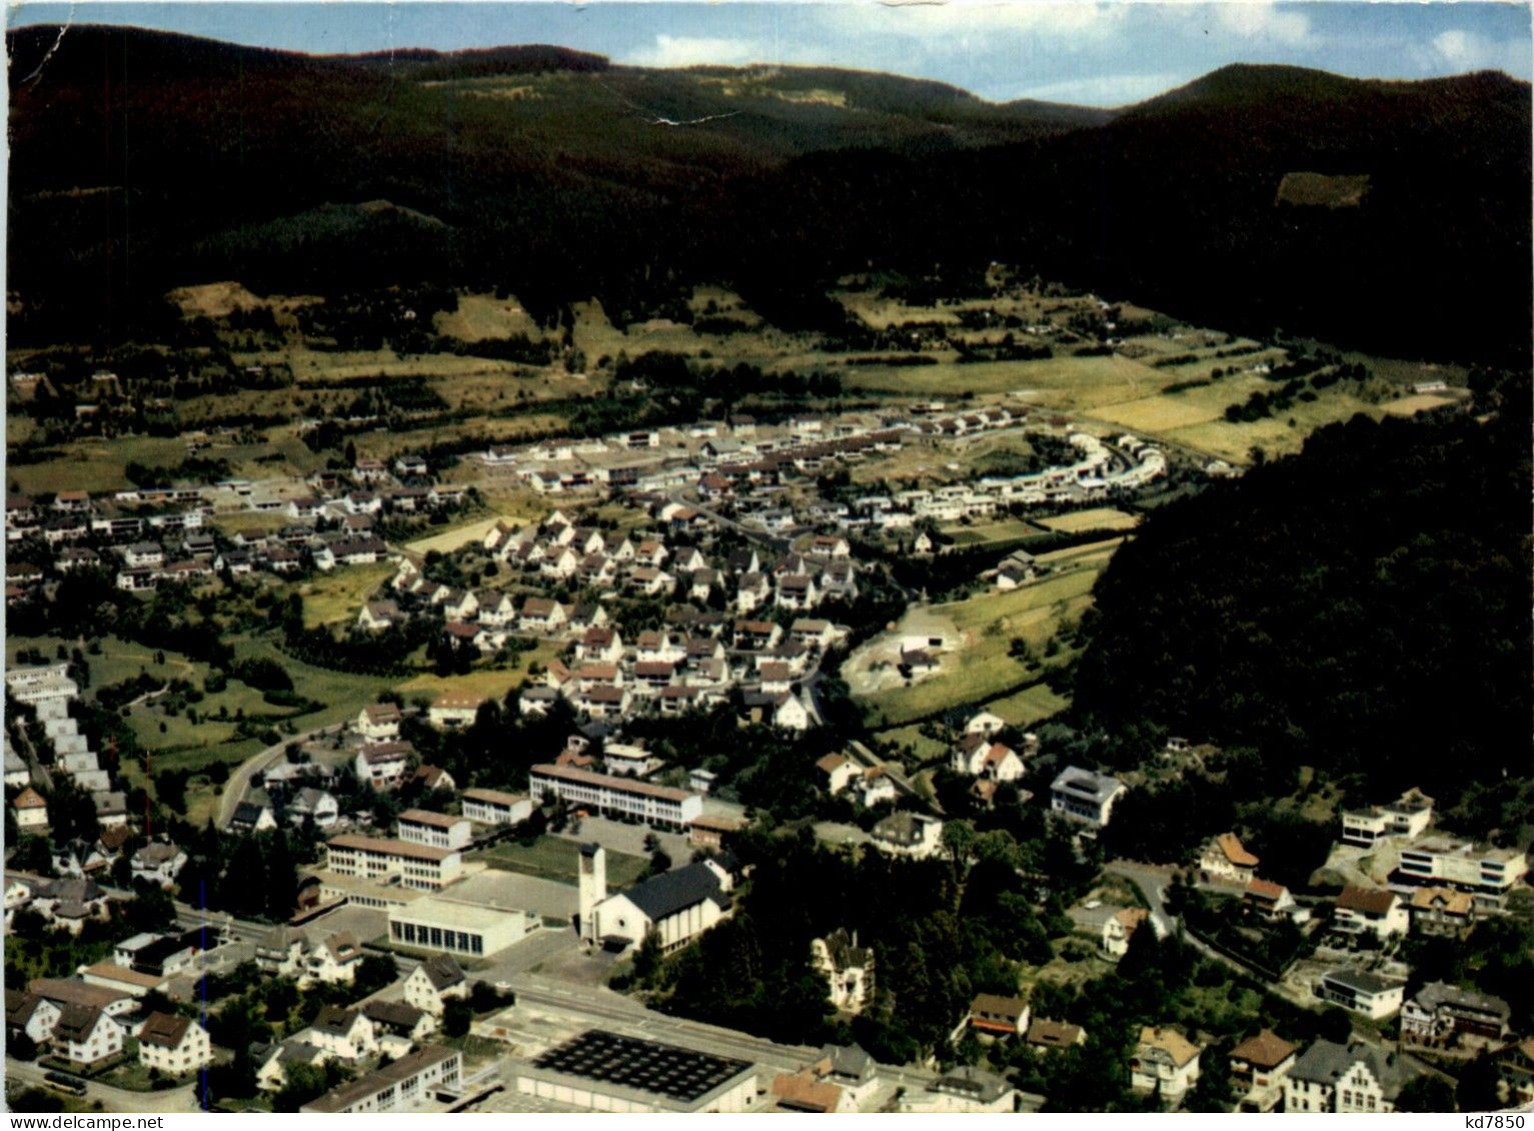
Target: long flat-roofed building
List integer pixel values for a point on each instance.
(421, 826)
(407, 1084)
(458, 927)
(414, 865)
(654, 804)
(1488, 873)
(492, 807)
(605, 1072)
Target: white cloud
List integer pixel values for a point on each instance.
(1456, 51)
(970, 25)
(689, 51)
(1103, 90)
(1254, 19)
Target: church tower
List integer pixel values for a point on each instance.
(593, 888)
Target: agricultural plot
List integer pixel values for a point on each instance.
(338, 596)
(977, 665)
(1098, 518)
(490, 684)
(1066, 383)
(479, 317)
(1029, 705)
(96, 466)
(987, 533)
(1275, 435)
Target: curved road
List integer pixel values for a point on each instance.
(239, 779)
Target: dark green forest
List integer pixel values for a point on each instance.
(1362, 608)
(301, 174)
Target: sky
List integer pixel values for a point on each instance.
(1101, 54)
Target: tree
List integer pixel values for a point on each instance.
(151, 909)
(1335, 1025)
(1426, 1093)
(22, 1047)
(1480, 1086)
(457, 1016)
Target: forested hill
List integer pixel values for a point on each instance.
(1362, 607)
(561, 176)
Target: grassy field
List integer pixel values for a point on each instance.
(1275, 435)
(343, 693)
(492, 684)
(1058, 382)
(1418, 402)
(1098, 518)
(339, 595)
(94, 465)
(555, 858)
(981, 667)
(1029, 705)
(985, 533)
(484, 316)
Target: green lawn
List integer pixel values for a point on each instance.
(556, 859)
(1029, 705)
(338, 596)
(982, 667)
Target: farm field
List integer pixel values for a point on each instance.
(979, 667)
(1274, 435)
(339, 595)
(1028, 706)
(1061, 382)
(554, 858)
(490, 684)
(96, 466)
(1418, 402)
(484, 316)
(1098, 518)
(985, 533)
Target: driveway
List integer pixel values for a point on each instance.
(112, 1099)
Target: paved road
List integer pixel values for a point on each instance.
(239, 779)
(182, 1099)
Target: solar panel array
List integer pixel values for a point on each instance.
(664, 1070)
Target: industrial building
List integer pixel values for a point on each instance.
(605, 1072)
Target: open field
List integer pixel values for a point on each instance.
(985, 533)
(1093, 554)
(484, 316)
(339, 595)
(555, 858)
(1418, 402)
(979, 665)
(1098, 518)
(343, 693)
(1274, 435)
(94, 465)
(1058, 382)
(491, 684)
(1029, 705)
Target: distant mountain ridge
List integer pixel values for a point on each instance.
(562, 176)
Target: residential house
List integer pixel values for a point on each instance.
(1408, 817)
(1085, 796)
(282, 952)
(435, 982)
(346, 1034)
(397, 1026)
(29, 1014)
(378, 615)
(333, 961)
(908, 834)
(1268, 901)
(86, 1035)
(382, 765)
(1226, 858)
(1441, 1015)
(985, 724)
(1044, 1034)
(992, 1015)
(316, 805)
(963, 1090)
(839, 772)
(1441, 911)
(1111, 927)
(173, 1044)
(1361, 992)
(30, 809)
(1165, 1063)
(847, 967)
(801, 1093)
(251, 817)
(159, 863)
(979, 757)
(379, 722)
(273, 1061)
(1365, 910)
(1258, 1068)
